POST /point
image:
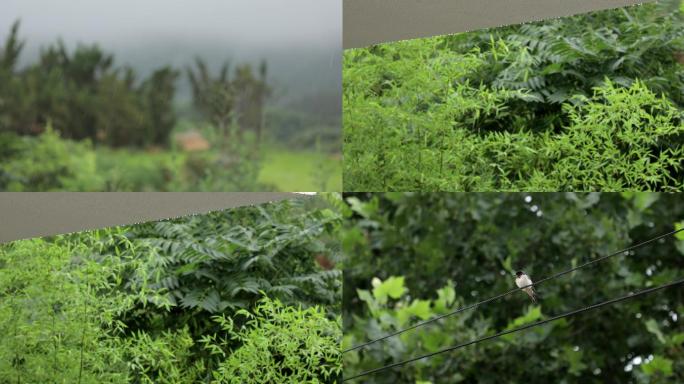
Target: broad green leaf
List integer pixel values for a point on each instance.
(507, 264)
(574, 359)
(676, 339)
(678, 226)
(652, 326)
(643, 200)
(364, 295)
(434, 340)
(533, 314)
(365, 209)
(659, 365)
(420, 309)
(445, 298)
(393, 287)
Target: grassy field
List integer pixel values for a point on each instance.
(50, 163)
(286, 170)
(301, 170)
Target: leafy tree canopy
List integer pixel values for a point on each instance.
(413, 256)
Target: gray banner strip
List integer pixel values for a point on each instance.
(368, 22)
(33, 214)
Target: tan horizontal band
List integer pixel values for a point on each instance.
(368, 22)
(33, 214)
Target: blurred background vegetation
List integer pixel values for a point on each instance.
(413, 256)
(166, 113)
(247, 295)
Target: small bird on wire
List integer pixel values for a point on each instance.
(522, 280)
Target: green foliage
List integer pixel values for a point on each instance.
(47, 163)
(140, 304)
(229, 259)
(84, 96)
(234, 166)
(55, 327)
(590, 102)
(280, 344)
(393, 288)
(143, 171)
(165, 358)
(302, 130)
(559, 58)
(224, 100)
(440, 251)
(629, 139)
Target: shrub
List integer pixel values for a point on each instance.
(54, 325)
(591, 102)
(84, 96)
(166, 358)
(140, 171)
(222, 261)
(47, 163)
(625, 138)
(180, 301)
(280, 344)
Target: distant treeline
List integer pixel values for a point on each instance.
(83, 95)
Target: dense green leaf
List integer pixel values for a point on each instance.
(454, 250)
(592, 102)
(189, 300)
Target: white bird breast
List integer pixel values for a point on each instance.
(523, 281)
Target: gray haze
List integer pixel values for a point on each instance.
(243, 23)
(301, 40)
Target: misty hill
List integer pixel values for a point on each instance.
(299, 74)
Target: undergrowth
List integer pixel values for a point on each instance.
(591, 102)
(227, 297)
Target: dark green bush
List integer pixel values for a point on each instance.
(223, 260)
(191, 300)
(413, 256)
(47, 163)
(84, 96)
(557, 59)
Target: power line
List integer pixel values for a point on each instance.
(462, 309)
(475, 341)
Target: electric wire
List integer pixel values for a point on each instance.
(499, 296)
(503, 333)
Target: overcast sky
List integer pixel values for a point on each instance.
(242, 23)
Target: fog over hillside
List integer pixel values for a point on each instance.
(299, 39)
(243, 22)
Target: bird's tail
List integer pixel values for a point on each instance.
(533, 295)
